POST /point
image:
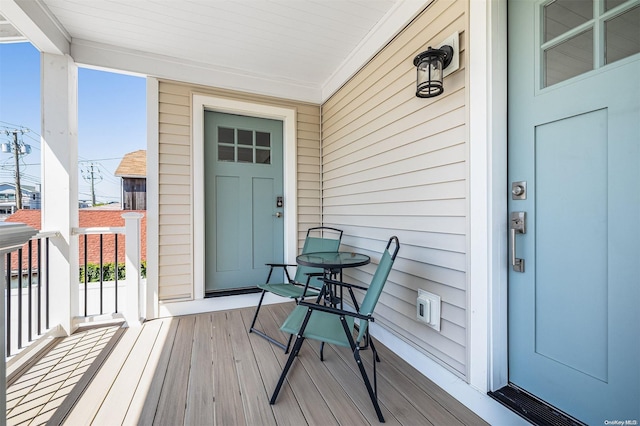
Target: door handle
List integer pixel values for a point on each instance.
(278, 214)
(517, 226)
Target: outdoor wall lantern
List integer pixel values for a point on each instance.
(430, 65)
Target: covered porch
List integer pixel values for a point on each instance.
(382, 149)
(207, 369)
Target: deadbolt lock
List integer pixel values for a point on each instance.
(519, 190)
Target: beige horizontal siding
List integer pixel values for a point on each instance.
(395, 164)
(174, 237)
(309, 187)
(176, 267)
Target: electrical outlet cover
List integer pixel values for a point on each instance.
(434, 301)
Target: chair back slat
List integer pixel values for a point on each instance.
(315, 245)
(377, 284)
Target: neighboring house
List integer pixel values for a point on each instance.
(30, 197)
(538, 126)
(133, 171)
(88, 219)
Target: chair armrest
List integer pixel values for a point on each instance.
(315, 274)
(343, 284)
(279, 265)
(331, 310)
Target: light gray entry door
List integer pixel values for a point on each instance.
(574, 138)
(244, 204)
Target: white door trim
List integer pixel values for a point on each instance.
(153, 197)
(200, 102)
(487, 260)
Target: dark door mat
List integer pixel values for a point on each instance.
(531, 408)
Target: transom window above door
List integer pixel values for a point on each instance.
(244, 146)
(578, 36)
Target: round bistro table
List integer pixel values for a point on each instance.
(333, 263)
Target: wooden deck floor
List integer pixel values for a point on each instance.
(34, 397)
(207, 369)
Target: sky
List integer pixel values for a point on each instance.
(111, 120)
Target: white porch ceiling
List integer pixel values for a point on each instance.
(299, 49)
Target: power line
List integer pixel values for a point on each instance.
(12, 125)
(101, 159)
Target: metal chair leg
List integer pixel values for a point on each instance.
(373, 395)
(286, 351)
(252, 329)
(292, 356)
(375, 375)
(255, 316)
(373, 348)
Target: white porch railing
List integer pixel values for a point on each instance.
(27, 293)
(97, 288)
(12, 236)
(133, 309)
(27, 286)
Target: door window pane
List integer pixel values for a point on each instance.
(610, 4)
(568, 59)
(263, 156)
(245, 155)
(263, 139)
(226, 153)
(561, 16)
(245, 137)
(225, 135)
(622, 35)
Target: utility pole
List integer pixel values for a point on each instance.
(18, 149)
(16, 156)
(93, 188)
(90, 177)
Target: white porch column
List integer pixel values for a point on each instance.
(132, 312)
(59, 89)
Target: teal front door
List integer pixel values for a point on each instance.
(574, 171)
(244, 204)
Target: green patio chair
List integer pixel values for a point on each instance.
(307, 282)
(335, 326)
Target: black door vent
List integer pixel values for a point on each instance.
(531, 408)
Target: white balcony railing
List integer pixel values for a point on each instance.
(27, 292)
(105, 296)
(27, 284)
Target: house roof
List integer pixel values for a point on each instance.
(10, 188)
(133, 164)
(295, 50)
(87, 219)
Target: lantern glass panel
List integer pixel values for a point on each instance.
(430, 76)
